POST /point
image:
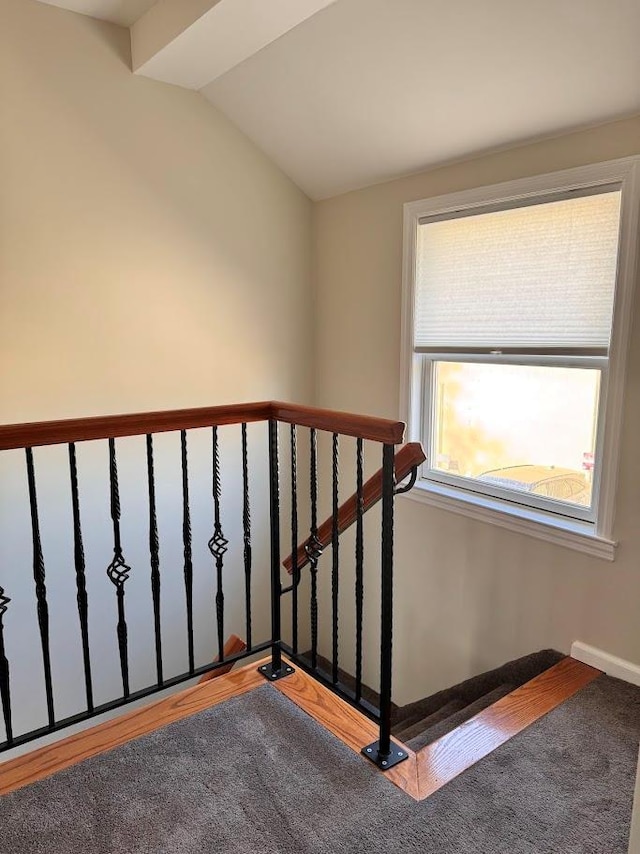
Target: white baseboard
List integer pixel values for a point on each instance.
(609, 664)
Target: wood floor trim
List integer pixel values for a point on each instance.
(421, 775)
(48, 760)
(449, 756)
(348, 725)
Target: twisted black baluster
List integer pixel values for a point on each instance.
(41, 588)
(313, 547)
(118, 571)
(359, 566)
(5, 694)
(386, 619)
(294, 538)
(335, 558)
(218, 544)
(246, 533)
(275, 667)
(81, 580)
(154, 551)
(186, 541)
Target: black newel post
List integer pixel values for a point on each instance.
(275, 669)
(384, 752)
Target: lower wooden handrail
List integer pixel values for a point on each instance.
(233, 646)
(406, 459)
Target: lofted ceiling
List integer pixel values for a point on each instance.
(346, 93)
(370, 89)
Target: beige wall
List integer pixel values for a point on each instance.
(469, 595)
(150, 255)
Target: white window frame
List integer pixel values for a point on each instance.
(593, 533)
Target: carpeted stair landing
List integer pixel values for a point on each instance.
(256, 774)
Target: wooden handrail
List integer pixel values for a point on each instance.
(112, 426)
(108, 426)
(409, 456)
(360, 426)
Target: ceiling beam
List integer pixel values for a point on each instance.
(192, 42)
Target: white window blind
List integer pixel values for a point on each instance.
(539, 276)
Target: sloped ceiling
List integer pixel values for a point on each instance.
(346, 93)
(370, 89)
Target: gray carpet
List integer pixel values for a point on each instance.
(257, 775)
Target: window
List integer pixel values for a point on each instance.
(517, 309)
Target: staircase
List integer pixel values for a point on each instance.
(448, 732)
(424, 721)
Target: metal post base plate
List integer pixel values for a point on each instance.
(396, 754)
(272, 675)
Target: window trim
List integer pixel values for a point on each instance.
(591, 537)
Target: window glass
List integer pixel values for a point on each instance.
(523, 428)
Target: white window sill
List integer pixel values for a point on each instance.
(570, 533)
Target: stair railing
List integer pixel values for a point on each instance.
(383, 485)
(30, 438)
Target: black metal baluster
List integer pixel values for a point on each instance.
(5, 693)
(186, 541)
(41, 588)
(388, 486)
(335, 559)
(274, 524)
(118, 571)
(384, 752)
(218, 544)
(154, 552)
(313, 547)
(359, 565)
(295, 570)
(81, 579)
(246, 533)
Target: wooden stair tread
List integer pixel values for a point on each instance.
(515, 672)
(455, 752)
(464, 713)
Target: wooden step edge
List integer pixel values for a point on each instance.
(48, 760)
(445, 759)
(346, 723)
(233, 646)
